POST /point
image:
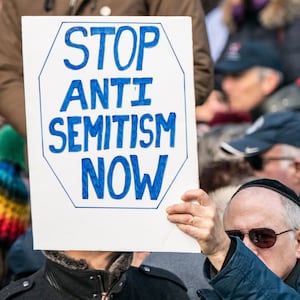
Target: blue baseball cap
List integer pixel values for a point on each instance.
(272, 128)
(240, 56)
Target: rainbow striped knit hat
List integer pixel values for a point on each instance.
(14, 195)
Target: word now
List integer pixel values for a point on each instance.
(101, 177)
(148, 37)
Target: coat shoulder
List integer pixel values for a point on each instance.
(28, 288)
(16, 288)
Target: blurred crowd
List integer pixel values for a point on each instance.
(247, 112)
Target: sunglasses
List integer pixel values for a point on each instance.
(260, 237)
(257, 162)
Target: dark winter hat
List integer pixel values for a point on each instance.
(240, 56)
(273, 128)
(273, 185)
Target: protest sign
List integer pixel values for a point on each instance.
(111, 130)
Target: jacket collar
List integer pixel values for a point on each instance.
(74, 278)
(292, 279)
(80, 284)
(270, 104)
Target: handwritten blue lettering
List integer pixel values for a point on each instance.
(148, 37)
(97, 176)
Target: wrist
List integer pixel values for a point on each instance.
(218, 257)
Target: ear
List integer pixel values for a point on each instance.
(270, 83)
(296, 164)
(297, 243)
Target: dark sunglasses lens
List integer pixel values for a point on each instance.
(255, 162)
(235, 233)
(263, 237)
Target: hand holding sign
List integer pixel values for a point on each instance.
(201, 221)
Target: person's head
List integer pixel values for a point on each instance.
(250, 72)
(281, 162)
(266, 215)
(272, 147)
(224, 172)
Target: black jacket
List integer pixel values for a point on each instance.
(57, 282)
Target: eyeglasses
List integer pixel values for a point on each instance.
(260, 237)
(257, 162)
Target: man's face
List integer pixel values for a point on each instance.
(257, 207)
(277, 165)
(244, 90)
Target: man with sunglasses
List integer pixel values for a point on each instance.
(257, 256)
(272, 147)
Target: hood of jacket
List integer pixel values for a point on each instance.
(276, 14)
(120, 263)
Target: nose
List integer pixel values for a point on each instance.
(227, 83)
(249, 244)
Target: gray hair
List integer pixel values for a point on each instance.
(263, 72)
(292, 212)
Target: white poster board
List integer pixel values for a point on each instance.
(111, 130)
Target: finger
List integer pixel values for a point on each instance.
(178, 208)
(198, 233)
(199, 195)
(190, 208)
(186, 219)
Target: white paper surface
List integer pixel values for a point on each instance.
(111, 130)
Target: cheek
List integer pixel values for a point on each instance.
(273, 169)
(279, 175)
(279, 259)
(249, 96)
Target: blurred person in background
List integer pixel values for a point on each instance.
(251, 79)
(272, 147)
(276, 22)
(250, 73)
(215, 104)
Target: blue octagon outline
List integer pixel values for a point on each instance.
(185, 116)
